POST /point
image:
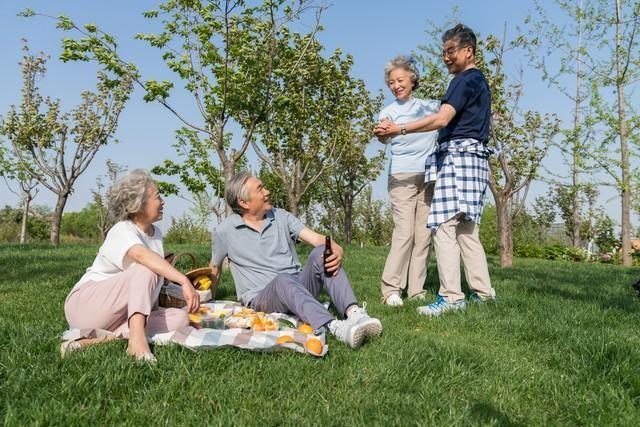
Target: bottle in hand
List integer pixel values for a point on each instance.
(327, 253)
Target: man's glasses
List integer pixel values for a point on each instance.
(451, 51)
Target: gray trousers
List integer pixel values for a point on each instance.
(296, 293)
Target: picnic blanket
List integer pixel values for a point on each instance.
(203, 338)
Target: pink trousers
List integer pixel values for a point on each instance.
(108, 304)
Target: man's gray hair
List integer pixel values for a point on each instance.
(407, 63)
(128, 195)
(236, 190)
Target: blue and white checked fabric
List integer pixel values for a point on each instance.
(460, 168)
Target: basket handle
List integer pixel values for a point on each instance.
(175, 259)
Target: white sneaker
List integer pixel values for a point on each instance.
(349, 332)
(418, 297)
(360, 316)
(394, 300)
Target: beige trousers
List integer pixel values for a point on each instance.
(108, 304)
(406, 265)
(453, 238)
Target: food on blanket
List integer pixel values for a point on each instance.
(204, 310)
(262, 324)
(284, 324)
(220, 314)
(195, 317)
(237, 322)
(213, 323)
(247, 318)
(305, 328)
(284, 339)
(202, 283)
(314, 345)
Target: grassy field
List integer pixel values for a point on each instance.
(561, 347)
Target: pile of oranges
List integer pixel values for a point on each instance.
(312, 345)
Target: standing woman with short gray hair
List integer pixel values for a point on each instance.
(406, 265)
(116, 297)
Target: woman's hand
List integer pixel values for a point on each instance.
(386, 128)
(190, 296)
(154, 262)
(334, 262)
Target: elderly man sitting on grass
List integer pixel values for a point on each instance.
(259, 241)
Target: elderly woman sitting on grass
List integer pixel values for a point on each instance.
(118, 292)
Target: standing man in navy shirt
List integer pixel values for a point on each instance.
(461, 170)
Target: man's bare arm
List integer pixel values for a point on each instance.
(428, 123)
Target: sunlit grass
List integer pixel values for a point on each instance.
(560, 347)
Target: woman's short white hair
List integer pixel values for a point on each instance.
(407, 63)
(128, 195)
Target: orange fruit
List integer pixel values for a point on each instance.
(314, 346)
(305, 329)
(259, 328)
(284, 339)
(195, 318)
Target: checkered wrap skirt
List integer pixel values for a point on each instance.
(460, 168)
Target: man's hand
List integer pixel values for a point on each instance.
(190, 296)
(334, 262)
(386, 129)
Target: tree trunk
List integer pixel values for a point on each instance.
(25, 217)
(575, 167)
(505, 231)
(228, 170)
(57, 218)
(624, 148)
(348, 217)
(293, 199)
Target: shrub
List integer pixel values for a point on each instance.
(187, 230)
(529, 251)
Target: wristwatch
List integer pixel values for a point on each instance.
(403, 130)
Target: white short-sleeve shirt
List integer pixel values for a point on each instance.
(112, 258)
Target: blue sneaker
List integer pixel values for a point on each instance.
(440, 305)
(474, 297)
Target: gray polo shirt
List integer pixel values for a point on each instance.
(257, 257)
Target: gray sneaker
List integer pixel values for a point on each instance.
(349, 332)
(360, 316)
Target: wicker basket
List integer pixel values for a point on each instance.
(171, 293)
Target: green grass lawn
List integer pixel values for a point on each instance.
(560, 347)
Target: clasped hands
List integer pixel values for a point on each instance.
(386, 129)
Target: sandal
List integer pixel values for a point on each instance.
(68, 347)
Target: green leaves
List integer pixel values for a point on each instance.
(54, 147)
(64, 23)
(27, 13)
(155, 90)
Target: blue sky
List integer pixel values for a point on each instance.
(373, 31)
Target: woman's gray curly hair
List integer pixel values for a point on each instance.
(128, 195)
(407, 63)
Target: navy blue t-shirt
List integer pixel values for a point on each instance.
(469, 95)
